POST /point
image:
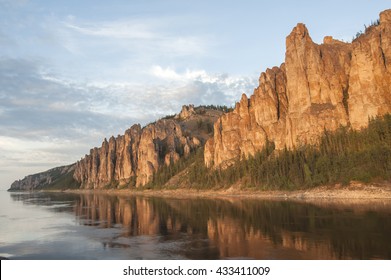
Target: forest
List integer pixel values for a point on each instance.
(340, 156)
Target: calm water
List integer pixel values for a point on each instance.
(74, 226)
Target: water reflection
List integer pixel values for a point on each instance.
(58, 202)
(233, 228)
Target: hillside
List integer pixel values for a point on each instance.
(296, 130)
(131, 159)
(341, 157)
(55, 178)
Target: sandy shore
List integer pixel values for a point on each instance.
(353, 191)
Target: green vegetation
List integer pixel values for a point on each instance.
(168, 117)
(223, 108)
(200, 110)
(113, 184)
(165, 173)
(341, 156)
(59, 181)
(366, 28)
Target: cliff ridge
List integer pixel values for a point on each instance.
(132, 159)
(317, 88)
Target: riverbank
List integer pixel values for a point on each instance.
(353, 191)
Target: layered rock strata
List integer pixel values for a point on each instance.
(319, 87)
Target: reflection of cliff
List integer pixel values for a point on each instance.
(235, 241)
(245, 228)
(134, 214)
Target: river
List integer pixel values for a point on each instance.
(97, 226)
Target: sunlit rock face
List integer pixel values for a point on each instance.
(135, 156)
(370, 77)
(116, 159)
(318, 87)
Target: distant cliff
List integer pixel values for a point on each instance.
(54, 178)
(133, 158)
(319, 87)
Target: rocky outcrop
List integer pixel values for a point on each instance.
(134, 157)
(115, 160)
(41, 180)
(161, 143)
(370, 76)
(246, 129)
(318, 87)
(186, 112)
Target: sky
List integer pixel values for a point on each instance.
(74, 72)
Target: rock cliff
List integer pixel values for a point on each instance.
(318, 87)
(48, 179)
(134, 157)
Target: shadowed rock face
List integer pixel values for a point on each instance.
(43, 179)
(318, 87)
(140, 151)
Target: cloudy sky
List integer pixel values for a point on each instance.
(73, 72)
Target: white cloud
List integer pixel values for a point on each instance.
(170, 74)
(148, 37)
(43, 151)
(207, 84)
(185, 45)
(114, 30)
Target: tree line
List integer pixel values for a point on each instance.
(341, 156)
